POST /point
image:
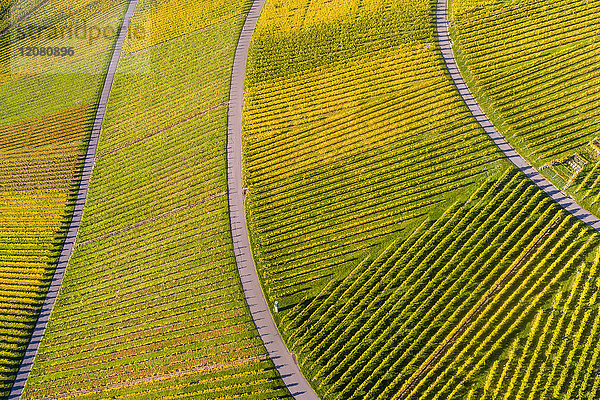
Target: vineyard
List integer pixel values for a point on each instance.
(151, 305)
(428, 316)
(35, 191)
(340, 158)
(42, 144)
(408, 258)
(534, 67)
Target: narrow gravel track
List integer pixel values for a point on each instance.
(278, 352)
(563, 200)
(65, 254)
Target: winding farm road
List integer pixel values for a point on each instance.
(67, 249)
(557, 195)
(259, 309)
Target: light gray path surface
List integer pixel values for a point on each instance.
(285, 364)
(65, 254)
(563, 200)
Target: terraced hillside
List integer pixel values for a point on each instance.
(408, 257)
(151, 305)
(45, 124)
(534, 67)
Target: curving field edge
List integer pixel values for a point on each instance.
(445, 43)
(259, 309)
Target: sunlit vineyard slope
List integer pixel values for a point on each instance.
(426, 317)
(45, 124)
(151, 306)
(341, 157)
(534, 67)
(408, 256)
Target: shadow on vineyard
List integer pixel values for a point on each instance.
(445, 301)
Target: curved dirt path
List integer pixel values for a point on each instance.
(557, 195)
(278, 352)
(65, 254)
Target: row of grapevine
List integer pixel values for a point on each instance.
(151, 306)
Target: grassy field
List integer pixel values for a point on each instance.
(46, 117)
(534, 68)
(151, 306)
(409, 259)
